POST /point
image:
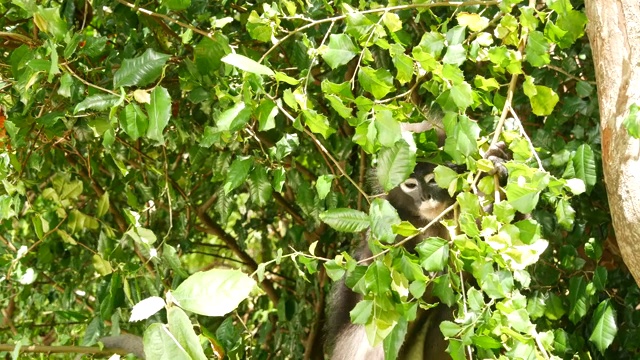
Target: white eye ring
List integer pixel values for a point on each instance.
(409, 185)
(428, 178)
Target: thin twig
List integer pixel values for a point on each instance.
(320, 146)
(422, 230)
(68, 69)
(165, 17)
(524, 134)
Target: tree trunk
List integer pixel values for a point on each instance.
(614, 34)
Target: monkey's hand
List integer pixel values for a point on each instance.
(498, 154)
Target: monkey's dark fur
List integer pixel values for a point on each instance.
(418, 200)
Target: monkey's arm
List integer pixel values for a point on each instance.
(131, 343)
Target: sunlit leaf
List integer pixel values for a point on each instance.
(213, 293)
(340, 50)
(246, 64)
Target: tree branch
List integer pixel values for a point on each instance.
(213, 228)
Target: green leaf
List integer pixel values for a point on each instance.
(387, 128)
(579, 301)
(182, 329)
(346, 220)
(141, 70)
(537, 49)
(237, 173)
(461, 94)
(258, 27)
(361, 313)
(103, 204)
(159, 110)
(395, 164)
(176, 4)
(49, 21)
(432, 43)
(339, 51)
(403, 63)
(393, 342)
(246, 64)
(474, 22)
(334, 270)
(259, 186)
(434, 253)
(404, 228)
(317, 123)
(382, 217)
(323, 185)
(461, 138)
(213, 293)
(234, 118)
(455, 55)
(604, 326)
(99, 102)
(133, 121)
(102, 266)
(378, 278)
(543, 99)
(378, 82)
(266, 113)
(584, 165)
(565, 214)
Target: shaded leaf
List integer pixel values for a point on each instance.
(141, 70)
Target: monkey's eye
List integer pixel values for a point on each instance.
(429, 178)
(409, 185)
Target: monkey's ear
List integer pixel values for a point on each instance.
(499, 154)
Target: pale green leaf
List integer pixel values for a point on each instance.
(182, 329)
(146, 308)
(339, 51)
(246, 64)
(160, 344)
(213, 293)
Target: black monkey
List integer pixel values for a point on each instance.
(417, 200)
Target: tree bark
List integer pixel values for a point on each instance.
(614, 34)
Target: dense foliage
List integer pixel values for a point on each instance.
(143, 142)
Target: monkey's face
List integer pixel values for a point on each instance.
(419, 199)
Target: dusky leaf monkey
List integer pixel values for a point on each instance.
(418, 200)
